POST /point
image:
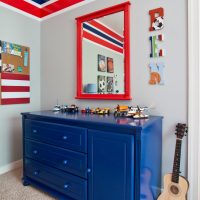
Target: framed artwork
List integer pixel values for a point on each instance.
(14, 74)
(110, 65)
(110, 85)
(101, 82)
(101, 63)
(8, 68)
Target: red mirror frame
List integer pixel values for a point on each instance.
(114, 9)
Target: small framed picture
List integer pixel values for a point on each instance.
(101, 82)
(110, 85)
(8, 68)
(101, 63)
(110, 65)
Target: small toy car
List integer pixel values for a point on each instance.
(97, 110)
(63, 108)
(104, 111)
(83, 110)
(92, 111)
(86, 110)
(73, 108)
(56, 108)
(121, 111)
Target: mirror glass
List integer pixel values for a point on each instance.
(103, 55)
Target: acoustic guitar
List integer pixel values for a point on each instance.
(176, 186)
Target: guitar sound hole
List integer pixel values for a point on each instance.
(174, 189)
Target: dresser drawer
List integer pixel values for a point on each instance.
(65, 183)
(69, 137)
(69, 161)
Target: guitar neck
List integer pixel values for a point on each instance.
(176, 166)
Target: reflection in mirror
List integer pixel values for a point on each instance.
(103, 55)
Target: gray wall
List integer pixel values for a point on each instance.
(90, 66)
(22, 30)
(58, 48)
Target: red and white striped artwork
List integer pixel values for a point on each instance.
(15, 88)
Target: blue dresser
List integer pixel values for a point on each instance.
(91, 157)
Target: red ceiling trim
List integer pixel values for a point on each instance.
(41, 12)
(24, 6)
(57, 6)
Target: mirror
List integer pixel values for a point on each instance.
(103, 54)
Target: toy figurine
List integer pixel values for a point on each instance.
(86, 110)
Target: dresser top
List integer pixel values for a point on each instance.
(104, 120)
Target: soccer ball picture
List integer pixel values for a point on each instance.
(110, 85)
(158, 24)
(101, 84)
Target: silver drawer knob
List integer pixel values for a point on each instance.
(64, 137)
(36, 173)
(34, 131)
(65, 162)
(35, 151)
(66, 186)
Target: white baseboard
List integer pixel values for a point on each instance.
(11, 166)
